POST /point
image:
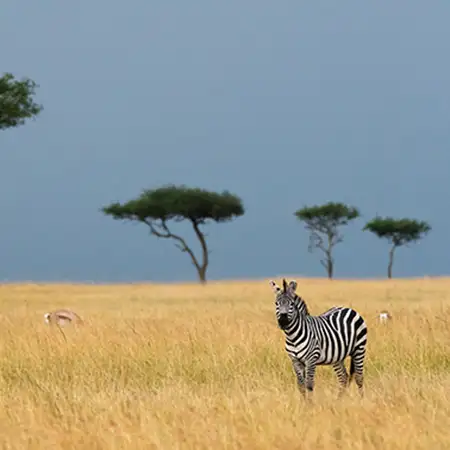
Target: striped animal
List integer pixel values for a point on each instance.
(326, 339)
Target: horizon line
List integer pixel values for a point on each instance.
(220, 281)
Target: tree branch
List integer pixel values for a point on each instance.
(201, 238)
(317, 227)
(154, 231)
(336, 239)
(315, 240)
(167, 234)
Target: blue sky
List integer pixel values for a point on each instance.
(284, 103)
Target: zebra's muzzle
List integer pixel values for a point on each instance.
(283, 321)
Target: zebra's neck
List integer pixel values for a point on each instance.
(299, 322)
(302, 308)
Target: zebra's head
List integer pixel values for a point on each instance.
(285, 308)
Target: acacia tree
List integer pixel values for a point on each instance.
(323, 223)
(157, 207)
(16, 101)
(398, 232)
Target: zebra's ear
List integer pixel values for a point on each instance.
(293, 285)
(274, 286)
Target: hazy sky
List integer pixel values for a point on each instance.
(284, 103)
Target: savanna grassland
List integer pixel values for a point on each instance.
(204, 367)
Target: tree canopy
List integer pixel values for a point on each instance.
(397, 232)
(156, 207)
(179, 203)
(16, 101)
(323, 223)
(328, 216)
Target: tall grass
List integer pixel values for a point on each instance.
(204, 367)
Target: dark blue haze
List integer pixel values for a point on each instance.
(285, 103)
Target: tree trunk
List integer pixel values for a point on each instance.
(202, 275)
(330, 262)
(162, 231)
(201, 268)
(330, 267)
(391, 262)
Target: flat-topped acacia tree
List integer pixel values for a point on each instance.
(157, 207)
(397, 232)
(323, 223)
(16, 101)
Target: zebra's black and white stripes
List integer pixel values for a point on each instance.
(326, 339)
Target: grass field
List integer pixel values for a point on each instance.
(192, 367)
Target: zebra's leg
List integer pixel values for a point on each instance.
(299, 369)
(342, 376)
(310, 372)
(357, 367)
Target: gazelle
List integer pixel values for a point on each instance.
(385, 316)
(62, 317)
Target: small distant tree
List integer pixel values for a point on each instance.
(16, 101)
(323, 223)
(157, 207)
(398, 232)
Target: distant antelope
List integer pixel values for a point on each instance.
(385, 316)
(62, 317)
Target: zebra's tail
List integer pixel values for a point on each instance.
(352, 369)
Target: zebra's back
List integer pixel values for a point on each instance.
(339, 332)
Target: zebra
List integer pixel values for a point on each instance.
(326, 339)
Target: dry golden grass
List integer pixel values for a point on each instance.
(191, 367)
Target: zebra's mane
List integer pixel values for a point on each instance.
(301, 305)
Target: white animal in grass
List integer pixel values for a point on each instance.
(385, 316)
(62, 317)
